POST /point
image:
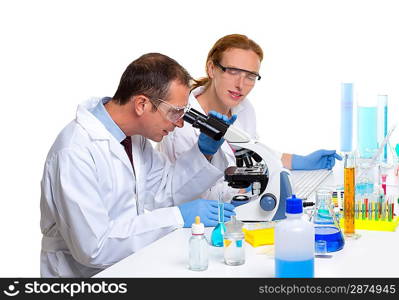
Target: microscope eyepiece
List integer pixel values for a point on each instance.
(209, 125)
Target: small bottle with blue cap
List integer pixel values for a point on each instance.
(294, 240)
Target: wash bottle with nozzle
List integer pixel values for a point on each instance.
(294, 241)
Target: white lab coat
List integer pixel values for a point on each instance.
(93, 202)
(182, 139)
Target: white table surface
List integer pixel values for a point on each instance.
(374, 254)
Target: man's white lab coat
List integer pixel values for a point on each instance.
(93, 202)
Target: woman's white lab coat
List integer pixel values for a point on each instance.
(182, 139)
(93, 203)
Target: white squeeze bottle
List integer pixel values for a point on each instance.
(294, 240)
(198, 247)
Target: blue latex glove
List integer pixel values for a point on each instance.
(209, 146)
(320, 159)
(249, 189)
(207, 210)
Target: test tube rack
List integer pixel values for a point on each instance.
(378, 225)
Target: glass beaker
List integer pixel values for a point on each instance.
(234, 243)
(234, 251)
(365, 176)
(327, 229)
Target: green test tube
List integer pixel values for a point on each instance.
(357, 210)
(363, 211)
(390, 212)
(370, 210)
(383, 210)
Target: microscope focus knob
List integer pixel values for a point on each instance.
(268, 202)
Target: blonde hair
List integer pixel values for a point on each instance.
(227, 42)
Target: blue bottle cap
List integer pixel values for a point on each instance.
(294, 205)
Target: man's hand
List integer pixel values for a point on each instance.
(207, 210)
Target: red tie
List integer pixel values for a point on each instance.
(127, 144)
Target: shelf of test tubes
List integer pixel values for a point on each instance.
(375, 214)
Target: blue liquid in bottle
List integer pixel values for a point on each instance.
(220, 229)
(332, 235)
(294, 269)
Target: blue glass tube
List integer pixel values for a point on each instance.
(367, 131)
(346, 116)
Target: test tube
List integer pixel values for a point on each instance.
(370, 208)
(382, 123)
(392, 206)
(346, 116)
(349, 197)
(363, 211)
(357, 208)
(384, 183)
(390, 210)
(384, 210)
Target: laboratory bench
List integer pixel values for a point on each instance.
(374, 254)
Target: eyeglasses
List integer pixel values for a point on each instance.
(249, 77)
(172, 113)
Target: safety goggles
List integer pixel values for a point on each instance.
(249, 76)
(171, 112)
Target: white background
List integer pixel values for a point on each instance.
(55, 54)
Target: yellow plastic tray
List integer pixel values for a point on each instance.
(374, 225)
(259, 237)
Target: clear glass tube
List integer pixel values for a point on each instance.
(382, 123)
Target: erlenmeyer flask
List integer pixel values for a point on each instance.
(220, 229)
(327, 230)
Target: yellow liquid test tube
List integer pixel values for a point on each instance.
(349, 195)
